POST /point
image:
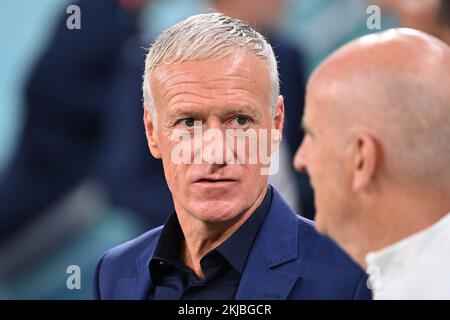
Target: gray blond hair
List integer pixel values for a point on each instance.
(205, 36)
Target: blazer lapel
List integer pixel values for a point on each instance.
(133, 288)
(275, 245)
(136, 288)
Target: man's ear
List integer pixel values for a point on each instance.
(278, 123)
(150, 132)
(365, 160)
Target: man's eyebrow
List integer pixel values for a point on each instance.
(303, 125)
(255, 113)
(193, 112)
(184, 112)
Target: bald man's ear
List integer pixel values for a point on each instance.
(365, 158)
(150, 132)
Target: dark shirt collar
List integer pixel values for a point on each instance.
(235, 249)
(238, 246)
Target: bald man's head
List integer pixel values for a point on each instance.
(377, 123)
(394, 85)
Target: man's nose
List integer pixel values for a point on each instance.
(215, 147)
(300, 159)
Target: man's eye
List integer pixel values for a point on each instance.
(241, 121)
(188, 122)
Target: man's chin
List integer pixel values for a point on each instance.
(215, 190)
(217, 211)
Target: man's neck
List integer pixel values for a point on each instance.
(201, 237)
(391, 223)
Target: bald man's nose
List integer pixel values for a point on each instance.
(300, 160)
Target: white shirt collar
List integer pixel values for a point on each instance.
(414, 256)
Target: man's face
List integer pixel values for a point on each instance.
(231, 93)
(321, 155)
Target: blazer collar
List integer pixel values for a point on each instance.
(137, 288)
(276, 244)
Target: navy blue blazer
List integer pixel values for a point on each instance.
(289, 260)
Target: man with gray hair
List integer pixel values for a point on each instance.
(231, 236)
(378, 152)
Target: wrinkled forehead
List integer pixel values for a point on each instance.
(241, 75)
(240, 64)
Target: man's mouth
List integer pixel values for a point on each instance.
(215, 180)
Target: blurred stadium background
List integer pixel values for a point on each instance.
(33, 262)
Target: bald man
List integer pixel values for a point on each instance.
(377, 148)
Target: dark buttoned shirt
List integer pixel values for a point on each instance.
(222, 267)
